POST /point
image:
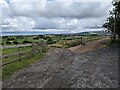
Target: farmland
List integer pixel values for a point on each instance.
(14, 51)
(49, 39)
(87, 66)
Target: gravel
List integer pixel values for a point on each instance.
(61, 68)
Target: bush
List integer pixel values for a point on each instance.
(15, 42)
(4, 37)
(68, 38)
(41, 36)
(8, 42)
(46, 37)
(50, 41)
(36, 38)
(19, 37)
(2, 43)
(10, 39)
(72, 43)
(25, 41)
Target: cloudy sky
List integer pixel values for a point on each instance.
(57, 16)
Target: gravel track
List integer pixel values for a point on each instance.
(62, 68)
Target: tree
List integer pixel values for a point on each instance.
(50, 41)
(15, 42)
(113, 21)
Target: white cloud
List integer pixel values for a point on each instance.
(41, 14)
(59, 9)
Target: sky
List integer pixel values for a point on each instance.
(57, 16)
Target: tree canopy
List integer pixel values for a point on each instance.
(112, 23)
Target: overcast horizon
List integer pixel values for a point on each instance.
(52, 15)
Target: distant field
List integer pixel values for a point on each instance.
(51, 40)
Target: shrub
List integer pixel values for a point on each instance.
(50, 41)
(72, 43)
(19, 37)
(8, 42)
(2, 43)
(68, 38)
(46, 37)
(25, 41)
(10, 39)
(4, 37)
(41, 36)
(36, 38)
(15, 42)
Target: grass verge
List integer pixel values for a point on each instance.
(117, 41)
(12, 50)
(9, 69)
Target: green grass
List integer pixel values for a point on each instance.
(20, 40)
(9, 50)
(93, 38)
(12, 50)
(9, 69)
(117, 41)
(5, 60)
(0, 74)
(13, 57)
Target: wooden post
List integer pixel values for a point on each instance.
(19, 57)
(81, 40)
(33, 48)
(19, 54)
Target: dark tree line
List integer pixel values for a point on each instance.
(113, 21)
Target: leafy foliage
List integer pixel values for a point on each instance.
(114, 20)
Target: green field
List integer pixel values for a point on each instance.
(51, 40)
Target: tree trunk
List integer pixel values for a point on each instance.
(119, 36)
(114, 38)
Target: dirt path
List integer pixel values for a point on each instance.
(93, 45)
(62, 68)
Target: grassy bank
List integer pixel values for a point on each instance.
(9, 69)
(12, 50)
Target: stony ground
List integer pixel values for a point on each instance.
(62, 68)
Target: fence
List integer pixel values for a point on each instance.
(36, 48)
